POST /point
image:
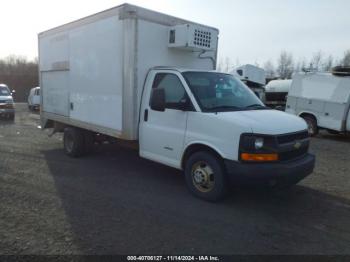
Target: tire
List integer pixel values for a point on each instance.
(311, 125)
(206, 177)
(88, 142)
(73, 142)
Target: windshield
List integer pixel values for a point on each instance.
(4, 91)
(217, 92)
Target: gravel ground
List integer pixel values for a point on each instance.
(113, 202)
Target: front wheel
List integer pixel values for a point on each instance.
(206, 177)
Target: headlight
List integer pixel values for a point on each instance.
(251, 143)
(257, 148)
(259, 143)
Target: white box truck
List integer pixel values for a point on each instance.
(322, 99)
(122, 74)
(251, 73)
(254, 77)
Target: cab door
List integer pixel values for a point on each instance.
(162, 134)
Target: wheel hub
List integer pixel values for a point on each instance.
(203, 177)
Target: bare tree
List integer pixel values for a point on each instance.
(285, 66)
(269, 69)
(328, 63)
(298, 67)
(19, 74)
(346, 59)
(316, 60)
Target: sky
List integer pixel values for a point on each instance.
(251, 31)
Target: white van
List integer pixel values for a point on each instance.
(34, 98)
(322, 99)
(148, 78)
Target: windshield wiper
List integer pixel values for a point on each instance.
(256, 106)
(216, 108)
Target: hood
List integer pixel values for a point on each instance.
(5, 98)
(268, 122)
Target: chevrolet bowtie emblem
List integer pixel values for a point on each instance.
(297, 145)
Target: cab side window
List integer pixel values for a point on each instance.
(174, 90)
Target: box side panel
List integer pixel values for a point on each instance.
(54, 52)
(333, 116)
(54, 73)
(255, 74)
(55, 92)
(96, 70)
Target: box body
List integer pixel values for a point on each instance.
(92, 71)
(251, 73)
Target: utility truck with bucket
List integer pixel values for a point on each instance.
(148, 78)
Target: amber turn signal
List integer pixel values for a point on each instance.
(259, 157)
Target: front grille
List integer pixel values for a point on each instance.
(6, 106)
(289, 155)
(288, 138)
(276, 96)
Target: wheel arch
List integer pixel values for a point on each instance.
(196, 147)
(307, 113)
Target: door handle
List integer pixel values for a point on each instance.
(145, 116)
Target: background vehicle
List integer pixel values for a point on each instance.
(120, 73)
(254, 77)
(276, 92)
(34, 99)
(7, 108)
(322, 99)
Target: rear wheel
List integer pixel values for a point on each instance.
(311, 125)
(73, 142)
(206, 177)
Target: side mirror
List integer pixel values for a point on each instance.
(184, 104)
(158, 99)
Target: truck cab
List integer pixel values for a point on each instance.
(213, 127)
